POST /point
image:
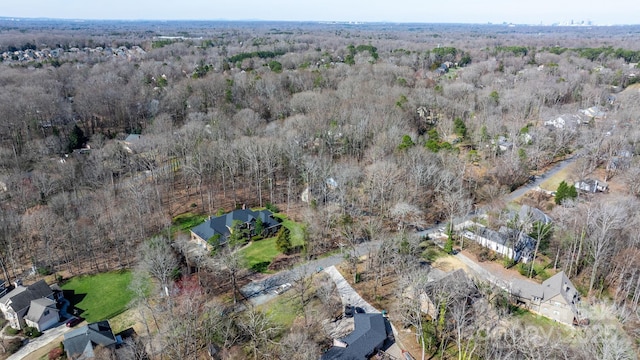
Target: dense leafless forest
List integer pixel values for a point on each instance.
(359, 132)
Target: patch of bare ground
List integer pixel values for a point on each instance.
(495, 267)
(449, 263)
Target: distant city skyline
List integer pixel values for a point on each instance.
(462, 11)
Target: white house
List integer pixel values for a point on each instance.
(515, 245)
(591, 185)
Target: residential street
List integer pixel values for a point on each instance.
(46, 337)
(261, 291)
(540, 179)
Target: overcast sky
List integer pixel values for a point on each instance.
(432, 11)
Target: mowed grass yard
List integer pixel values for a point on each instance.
(259, 254)
(100, 296)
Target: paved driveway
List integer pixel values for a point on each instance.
(35, 344)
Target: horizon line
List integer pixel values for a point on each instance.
(346, 22)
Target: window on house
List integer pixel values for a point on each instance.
(46, 312)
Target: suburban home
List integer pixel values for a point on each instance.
(594, 112)
(455, 288)
(502, 143)
(220, 227)
(16, 306)
(526, 216)
(132, 143)
(81, 342)
(556, 298)
(372, 333)
(514, 244)
(42, 314)
(591, 186)
(570, 121)
(622, 160)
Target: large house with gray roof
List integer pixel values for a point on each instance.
(556, 298)
(372, 332)
(81, 342)
(216, 230)
(33, 305)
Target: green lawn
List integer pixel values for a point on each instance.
(100, 296)
(184, 222)
(282, 310)
(259, 254)
(296, 230)
(551, 183)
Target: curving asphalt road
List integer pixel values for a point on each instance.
(260, 291)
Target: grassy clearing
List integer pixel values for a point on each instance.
(100, 296)
(551, 183)
(184, 222)
(280, 310)
(259, 254)
(539, 321)
(123, 321)
(296, 229)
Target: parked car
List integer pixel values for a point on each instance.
(282, 288)
(74, 321)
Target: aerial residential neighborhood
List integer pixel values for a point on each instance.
(335, 186)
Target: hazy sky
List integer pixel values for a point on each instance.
(460, 11)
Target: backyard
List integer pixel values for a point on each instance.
(101, 296)
(259, 254)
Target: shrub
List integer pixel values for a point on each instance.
(523, 269)
(11, 331)
(31, 332)
(508, 263)
(275, 66)
(12, 345)
(44, 271)
(432, 254)
(484, 255)
(56, 353)
(269, 206)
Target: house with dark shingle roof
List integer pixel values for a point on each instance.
(17, 302)
(80, 343)
(220, 227)
(370, 333)
(556, 298)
